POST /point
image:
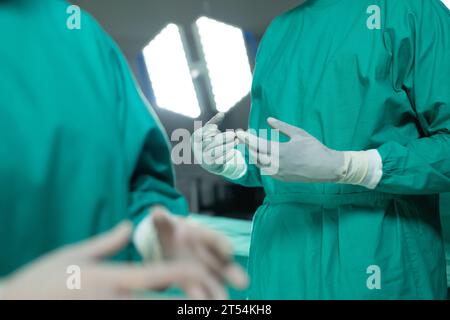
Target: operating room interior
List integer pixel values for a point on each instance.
(219, 204)
(195, 59)
(134, 24)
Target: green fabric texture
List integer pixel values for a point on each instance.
(80, 150)
(321, 68)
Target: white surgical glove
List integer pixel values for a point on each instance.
(48, 277)
(215, 150)
(305, 159)
(165, 237)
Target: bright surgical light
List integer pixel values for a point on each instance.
(227, 62)
(170, 74)
(447, 3)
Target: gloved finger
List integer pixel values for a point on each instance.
(106, 244)
(208, 139)
(164, 225)
(205, 288)
(219, 142)
(214, 288)
(236, 276)
(226, 271)
(195, 292)
(205, 133)
(217, 243)
(218, 118)
(210, 131)
(127, 277)
(287, 129)
(209, 260)
(259, 159)
(220, 139)
(225, 158)
(220, 151)
(253, 142)
(208, 287)
(220, 155)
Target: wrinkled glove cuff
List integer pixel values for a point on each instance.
(363, 168)
(146, 241)
(236, 168)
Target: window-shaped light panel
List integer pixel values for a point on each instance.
(169, 73)
(226, 60)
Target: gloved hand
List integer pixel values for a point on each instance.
(47, 278)
(179, 239)
(215, 150)
(305, 159)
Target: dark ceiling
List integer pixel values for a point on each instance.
(134, 22)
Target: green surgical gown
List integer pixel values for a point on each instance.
(80, 151)
(324, 68)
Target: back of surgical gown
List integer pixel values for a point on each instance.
(79, 149)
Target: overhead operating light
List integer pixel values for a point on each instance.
(169, 72)
(227, 62)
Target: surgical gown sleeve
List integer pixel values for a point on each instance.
(421, 67)
(146, 147)
(252, 178)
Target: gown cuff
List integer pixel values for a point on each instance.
(146, 241)
(236, 167)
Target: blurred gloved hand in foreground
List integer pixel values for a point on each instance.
(305, 159)
(162, 236)
(215, 150)
(47, 278)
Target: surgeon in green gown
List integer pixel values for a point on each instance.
(80, 152)
(62, 126)
(360, 92)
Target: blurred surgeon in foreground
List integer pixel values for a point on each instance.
(81, 153)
